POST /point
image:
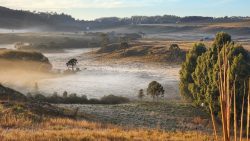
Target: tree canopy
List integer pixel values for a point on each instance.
(200, 71)
(155, 90)
(72, 63)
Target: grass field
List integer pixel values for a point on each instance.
(17, 124)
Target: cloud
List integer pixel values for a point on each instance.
(69, 4)
(60, 4)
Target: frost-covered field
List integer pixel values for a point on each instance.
(168, 115)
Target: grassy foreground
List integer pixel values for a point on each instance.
(23, 124)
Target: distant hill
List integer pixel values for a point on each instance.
(19, 19)
(24, 60)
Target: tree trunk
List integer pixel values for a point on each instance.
(213, 121)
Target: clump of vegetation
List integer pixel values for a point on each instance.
(155, 90)
(72, 63)
(175, 53)
(74, 99)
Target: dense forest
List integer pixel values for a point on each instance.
(17, 19)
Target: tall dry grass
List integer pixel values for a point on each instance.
(63, 129)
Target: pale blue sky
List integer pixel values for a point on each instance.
(91, 9)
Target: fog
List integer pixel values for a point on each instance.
(23, 30)
(95, 80)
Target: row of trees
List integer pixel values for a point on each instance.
(73, 98)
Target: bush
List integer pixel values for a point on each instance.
(111, 99)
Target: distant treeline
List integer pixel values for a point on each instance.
(22, 19)
(75, 99)
(8, 94)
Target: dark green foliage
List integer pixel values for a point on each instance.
(221, 39)
(72, 63)
(188, 67)
(199, 79)
(155, 90)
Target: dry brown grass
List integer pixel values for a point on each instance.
(19, 126)
(66, 129)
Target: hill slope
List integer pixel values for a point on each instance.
(45, 21)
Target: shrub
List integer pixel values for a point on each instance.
(111, 99)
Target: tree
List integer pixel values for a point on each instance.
(199, 78)
(141, 94)
(65, 94)
(174, 47)
(155, 90)
(124, 46)
(72, 63)
(104, 40)
(36, 88)
(188, 67)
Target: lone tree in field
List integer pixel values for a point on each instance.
(141, 94)
(175, 52)
(155, 90)
(124, 46)
(72, 63)
(174, 47)
(65, 94)
(104, 40)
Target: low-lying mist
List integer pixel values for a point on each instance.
(22, 74)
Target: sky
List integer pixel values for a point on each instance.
(92, 9)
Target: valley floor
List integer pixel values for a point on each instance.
(168, 116)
